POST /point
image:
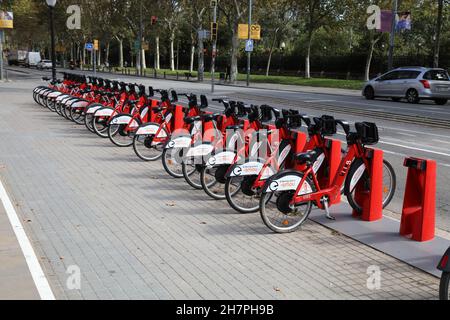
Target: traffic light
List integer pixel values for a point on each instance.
(154, 20)
(214, 27)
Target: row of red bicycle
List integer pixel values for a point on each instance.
(258, 158)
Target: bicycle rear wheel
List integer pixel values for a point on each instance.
(389, 183)
(444, 288)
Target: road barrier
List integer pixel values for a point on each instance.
(419, 206)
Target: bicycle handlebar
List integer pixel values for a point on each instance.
(345, 125)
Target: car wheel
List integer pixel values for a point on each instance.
(369, 93)
(440, 102)
(412, 96)
(396, 99)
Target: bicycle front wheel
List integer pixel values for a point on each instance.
(149, 147)
(358, 170)
(192, 174)
(172, 161)
(241, 195)
(213, 181)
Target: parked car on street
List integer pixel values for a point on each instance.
(45, 64)
(32, 59)
(411, 83)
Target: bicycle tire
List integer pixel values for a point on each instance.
(264, 203)
(165, 162)
(444, 287)
(140, 140)
(387, 167)
(100, 127)
(117, 130)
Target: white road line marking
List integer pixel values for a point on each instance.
(419, 132)
(312, 101)
(440, 141)
(388, 107)
(412, 148)
(42, 285)
(417, 149)
(406, 134)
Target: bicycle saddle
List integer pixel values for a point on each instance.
(158, 109)
(190, 120)
(307, 157)
(211, 117)
(241, 126)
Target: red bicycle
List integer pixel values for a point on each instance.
(289, 196)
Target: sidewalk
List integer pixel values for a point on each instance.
(136, 233)
(16, 282)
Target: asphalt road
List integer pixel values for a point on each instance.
(405, 130)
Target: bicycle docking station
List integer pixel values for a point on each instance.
(371, 197)
(419, 206)
(334, 148)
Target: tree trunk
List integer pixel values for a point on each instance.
(201, 60)
(144, 61)
(191, 65)
(437, 41)
(107, 54)
(308, 58)
(84, 55)
(120, 52)
(234, 55)
(172, 55)
(369, 62)
(271, 52)
(157, 65)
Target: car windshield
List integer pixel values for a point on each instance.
(437, 75)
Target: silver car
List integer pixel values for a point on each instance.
(411, 83)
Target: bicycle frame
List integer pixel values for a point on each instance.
(303, 194)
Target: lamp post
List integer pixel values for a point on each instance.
(51, 5)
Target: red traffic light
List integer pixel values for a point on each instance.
(154, 20)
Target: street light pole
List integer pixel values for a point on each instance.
(214, 48)
(141, 35)
(1, 54)
(51, 4)
(392, 39)
(249, 54)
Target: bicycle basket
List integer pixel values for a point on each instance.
(367, 132)
(254, 114)
(266, 114)
(328, 126)
(242, 110)
(295, 121)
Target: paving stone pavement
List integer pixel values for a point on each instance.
(136, 233)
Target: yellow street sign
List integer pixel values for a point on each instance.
(96, 45)
(6, 20)
(255, 32)
(60, 48)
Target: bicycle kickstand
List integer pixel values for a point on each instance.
(327, 209)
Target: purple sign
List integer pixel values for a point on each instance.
(386, 21)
